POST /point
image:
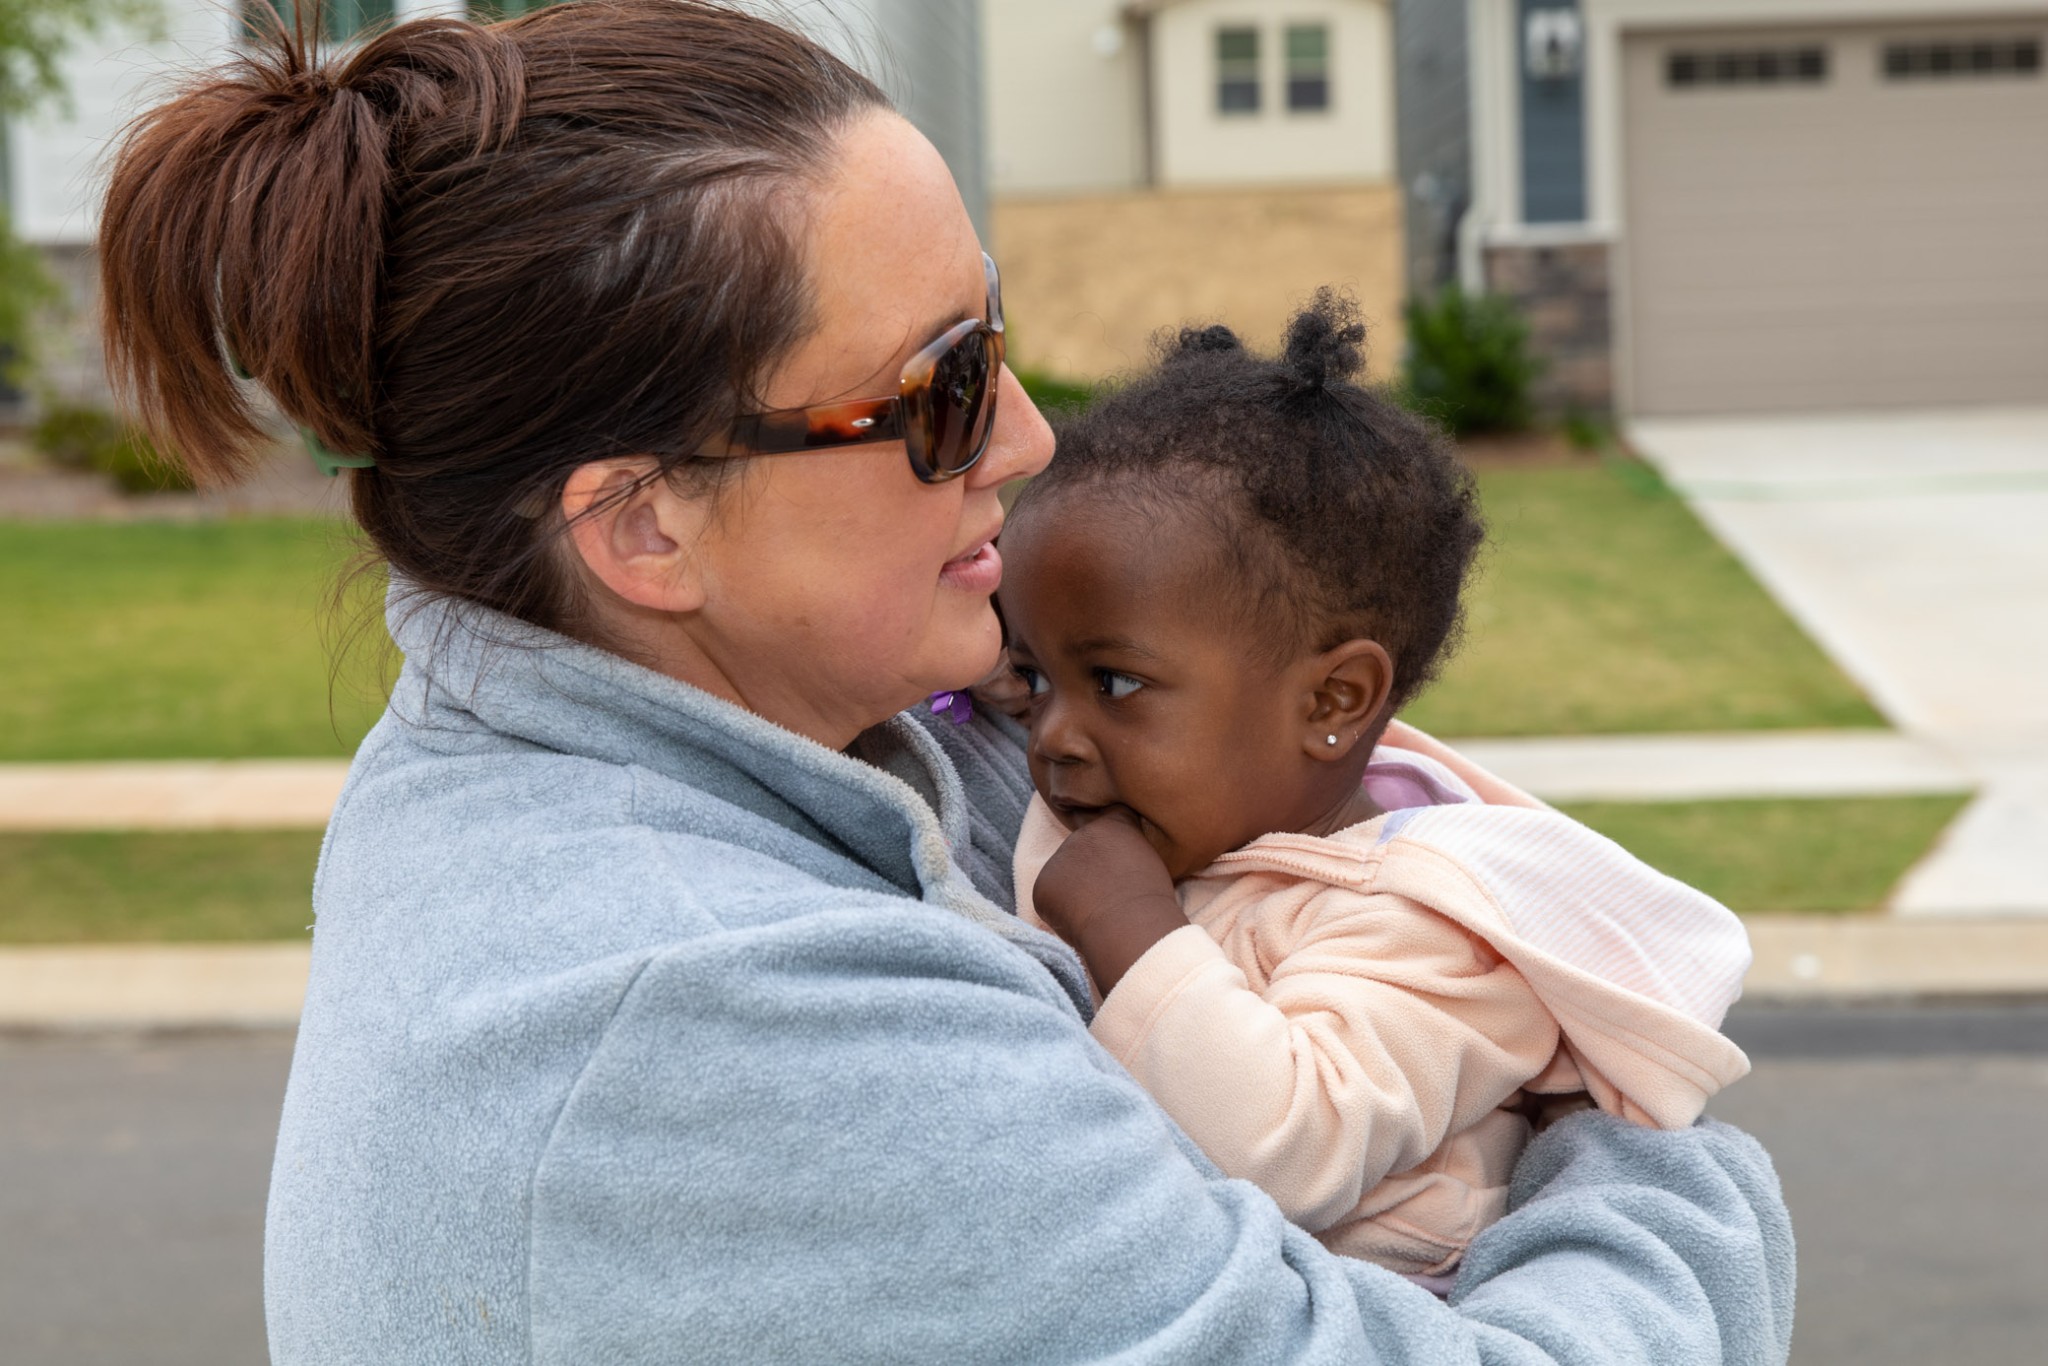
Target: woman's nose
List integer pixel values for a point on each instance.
(1021, 444)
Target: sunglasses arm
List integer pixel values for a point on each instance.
(809, 429)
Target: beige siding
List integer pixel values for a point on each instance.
(1352, 141)
(1088, 279)
(1858, 242)
(1065, 97)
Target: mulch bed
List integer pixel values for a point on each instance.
(287, 485)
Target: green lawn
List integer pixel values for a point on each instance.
(1780, 855)
(162, 641)
(169, 885)
(1603, 606)
(1755, 856)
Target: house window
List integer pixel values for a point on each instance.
(1237, 71)
(1962, 59)
(484, 11)
(1308, 67)
(338, 18)
(1747, 66)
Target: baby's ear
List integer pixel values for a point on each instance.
(1351, 686)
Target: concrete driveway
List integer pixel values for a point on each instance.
(1914, 547)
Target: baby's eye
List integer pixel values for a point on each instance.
(1033, 680)
(1114, 685)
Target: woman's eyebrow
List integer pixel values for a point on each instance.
(892, 368)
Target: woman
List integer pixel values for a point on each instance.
(666, 1003)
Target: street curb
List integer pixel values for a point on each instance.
(1799, 958)
(153, 986)
(1850, 957)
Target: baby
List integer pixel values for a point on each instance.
(1348, 962)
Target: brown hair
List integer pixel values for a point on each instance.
(479, 255)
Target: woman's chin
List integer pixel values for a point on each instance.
(970, 652)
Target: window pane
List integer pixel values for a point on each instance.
(1237, 70)
(1308, 93)
(486, 10)
(346, 18)
(1308, 43)
(338, 18)
(1308, 67)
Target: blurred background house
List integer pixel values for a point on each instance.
(1163, 160)
(925, 52)
(1694, 205)
(1742, 205)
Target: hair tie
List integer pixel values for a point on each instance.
(332, 463)
(328, 462)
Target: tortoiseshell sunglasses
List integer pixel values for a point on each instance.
(943, 412)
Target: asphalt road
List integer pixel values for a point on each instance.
(1910, 1140)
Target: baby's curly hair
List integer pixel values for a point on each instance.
(1337, 514)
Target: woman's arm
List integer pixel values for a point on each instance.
(878, 1133)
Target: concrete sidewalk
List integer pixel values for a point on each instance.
(268, 794)
(1910, 546)
(202, 986)
(227, 794)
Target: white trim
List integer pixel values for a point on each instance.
(1752, 13)
(1493, 83)
(1547, 234)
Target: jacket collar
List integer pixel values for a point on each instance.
(896, 811)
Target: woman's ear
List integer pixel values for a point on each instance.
(635, 534)
(1352, 684)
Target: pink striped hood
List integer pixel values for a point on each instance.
(1638, 968)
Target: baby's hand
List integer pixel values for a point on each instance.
(1107, 892)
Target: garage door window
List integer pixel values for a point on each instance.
(1697, 69)
(1962, 59)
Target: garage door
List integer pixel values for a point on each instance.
(1836, 218)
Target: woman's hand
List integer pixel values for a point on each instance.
(1107, 892)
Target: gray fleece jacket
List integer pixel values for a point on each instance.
(642, 1030)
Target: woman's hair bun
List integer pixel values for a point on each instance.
(1195, 341)
(1325, 341)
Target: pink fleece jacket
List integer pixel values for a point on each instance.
(1347, 1020)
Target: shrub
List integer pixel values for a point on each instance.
(1469, 365)
(68, 434)
(78, 436)
(1055, 395)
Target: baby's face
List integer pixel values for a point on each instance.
(1146, 692)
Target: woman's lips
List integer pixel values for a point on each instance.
(979, 571)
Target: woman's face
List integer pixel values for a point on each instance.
(836, 588)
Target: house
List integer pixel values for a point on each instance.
(1712, 206)
(1154, 161)
(925, 52)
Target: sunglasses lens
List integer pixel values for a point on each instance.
(960, 406)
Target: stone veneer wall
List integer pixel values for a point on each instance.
(1088, 279)
(1564, 292)
(67, 357)
(68, 360)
